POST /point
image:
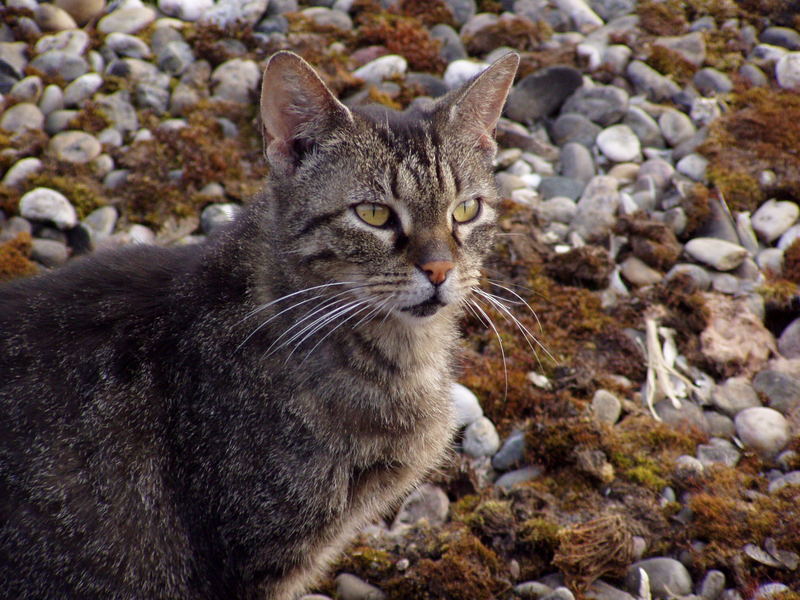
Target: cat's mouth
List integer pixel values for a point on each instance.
(424, 309)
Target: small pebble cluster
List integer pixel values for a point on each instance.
(604, 149)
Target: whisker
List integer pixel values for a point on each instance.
(364, 306)
(488, 321)
(521, 301)
(328, 304)
(310, 329)
(266, 305)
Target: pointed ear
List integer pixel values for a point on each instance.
(476, 107)
(297, 110)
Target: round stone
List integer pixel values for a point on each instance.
(577, 162)
(75, 41)
(52, 99)
(573, 127)
(781, 390)
(604, 104)
(508, 480)
(763, 429)
(787, 71)
(650, 82)
(325, 17)
(82, 88)
(789, 341)
(644, 126)
(720, 254)
(350, 587)
(427, 502)
(228, 12)
(558, 208)
(542, 93)
(481, 439)
(21, 170)
(467, 408)
(74, 146)
(676, 126)
(459, 72)
(597, 208)
(128, 19)
(773, 218)
(693, 166)
(101, 221)
(619, 143)
(82, 11)
(710, 81)
(668, 577)
(22, 116)
(50, 253)
(639, 273)
(44, 204)
(125, 44)
(236, 80)
(52, 18)
(28, 89)
(718, 452)
(385, 67)
(185, 10)
(734, 395)
(606, 407)
(58, 62)
(511, 452)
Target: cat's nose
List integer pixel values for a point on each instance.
(437, 270)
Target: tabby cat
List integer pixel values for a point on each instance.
(216, 421)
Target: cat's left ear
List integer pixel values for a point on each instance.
(477, 106)
(297, 111)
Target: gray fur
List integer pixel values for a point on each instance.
(169, 429)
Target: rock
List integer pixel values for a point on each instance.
(691, 47)
(124, 44)
(452, 48)
(766, 55)
(44, 204)
(52, 99)
(753, 75)
(773, 219)
(787, 71)
(186, 10)
(82, 11)
(763, 429)
(480, 438)
(650, 82)
(236, 80)
(618, 143)
(572, 127)
(782, 390)
(718, 452)
(710, 81)
(59, 120)
(531, 590)
(768, 591)
(541, 94)
(101, 221)
(22, 116)
(28, 89)
(74, 146)
(693, 166)
(676, 126)
(791, 478)
(52, 18)
(559, 208)
(668, 577)
(511, 452)
(229, 12)
(604, 104)
(58, 62)
(49, 253)
(712, 585)
(75, 42)
(350, 587)
(555, 186)
(467, 408)
(734, 395)
(459, 72)
(463, 10)
(559, 593)
(325, 17)
(597, 208)
(688, 413)
(385, 67)
(508, 480)
(577, 162)
(606, 407)
(427, 502)
(789, 341)
(688, 467)
(644, 126)
(128, 19)
(153, 97)
(21, 170)
(639, 273)
(722, 255)
(215, 216)
(584, 18)
(82, 88)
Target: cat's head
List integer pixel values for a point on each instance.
(394, 210)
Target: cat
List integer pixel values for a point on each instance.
(218, 420)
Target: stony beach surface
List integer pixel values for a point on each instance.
(634, 431)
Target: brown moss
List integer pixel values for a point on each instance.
(379, 97)
(402, 35)
(696, 204)
(510, 30)
(719, 9)
(490, 6)
(662, 17)
(725, 49)
(208, 41)
(669, 62)
(653, 242)
(90, 118)
(791, 263)
(587, 266)
(14, 258)
(29, 142)
(76, 182)
(429, 13)
(740, 190)
(9, 199)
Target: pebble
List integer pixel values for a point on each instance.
(619, 143)
(791, 478)
(573, 127)
(718, 451)
(557, 208)
(676, 126)
(557, 186)
(22, 116)
(427, 502)
(74, 146)
(710, 81)
(215, 216)
(770, 260)
(49, 253)
(717, 253)
(650, 82)
(75, 41)
(385, 67)
(82, 11)
(644, 126)
(452, 47)
(604, 105)
(542, 93)
(52, 18)
(236, 80)
(531, 590)
(459, 72)
(59, 120)
(787, 71)
(508, 480)
(28, 89)
(639, 273)
(789, 340)
(687, 467)
(734, 395)
(81, 89)
(127, 45)
(763, 429)
(606, 407)
(44, 204)
(668, 577)
(175, 58)
(60, 63)
(691, 47)
(325, 17)
(781, 390)
(128, 19)
(693, 166)
(712, 585)
(185, 10)
(52, 99)
(511, 452)
(597, 208)
(350, 587)
(101, 221)
(230, 12)
(480, 438)
(21, 170)
(773, 218)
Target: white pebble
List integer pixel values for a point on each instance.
(44, 204)
(763, 429)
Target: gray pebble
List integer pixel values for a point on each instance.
(73, 41)
(789, 340)
(22, 116)
(619, 143)
(58, 62)
(385, 67)
(597, 208)
(82, 88)
(604, 104)
(676, 126)
(688, 466)
(688, 412)
(606, 407)
(753, 75)
(185, 10)
(719, 425)
(350, 587)
(463, 10)
(691, 47)
(555, 186)
(650, 82)
(774, 218)
(28, 89)
(279, 7)
(558, 208)
(101, 221)
(427, 502)
(560, 593)
(791, 478)
(717, 253)
(763, 429)
(508, 480)
(639, 273)
(49, 253)
(175, 57)
(710, 81)
(644, 126)
(15, 55)
(153, 97)
(452, 47)
(781, 36)
(461, 71)
(236, 80)
(52, 99)
(770, 590)
(59, 120)
(119, 111)
(129, 19)
(44, 204)
(712, 585)
(229, 12)
(124, 44)
(789, 236)
(668, 577)
(325, 17)
(13, 227)
(573, 127)
(116, 178)
(698, 274)
(718, 451)
(531, 590)
(787, 71)
(511, 452)
(480, 438)
(781, 390)
(734, 395)
(542, 93)
(693, 166)
(215, 216)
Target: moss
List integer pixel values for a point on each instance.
(662, 17)
(489, 518)
(696, 204)
(725, 49)
(740, 190)
(779, 294)
(9, 199)
(379, 97)
(402, 35)
(791, 263)
(587, 266)
(540, 533)
(84, 192)
(669, 62)
(655, 243)
(721, 10)
(90, 118)
(14, 258)
(429, 13)
(510, 30)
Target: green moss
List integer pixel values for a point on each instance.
(672, 63)
(540, 533)
(779, 294)
(81, 189)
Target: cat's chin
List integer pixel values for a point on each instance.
(424, 309)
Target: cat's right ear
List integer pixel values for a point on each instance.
(297, 110)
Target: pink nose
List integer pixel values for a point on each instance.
(437, 270)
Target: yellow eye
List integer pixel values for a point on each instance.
(466, 211)
(376, 215)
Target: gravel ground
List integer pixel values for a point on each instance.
(638, 435)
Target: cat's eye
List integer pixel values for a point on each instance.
(466, 210)
(373, 214)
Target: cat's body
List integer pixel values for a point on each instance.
(190, 423)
